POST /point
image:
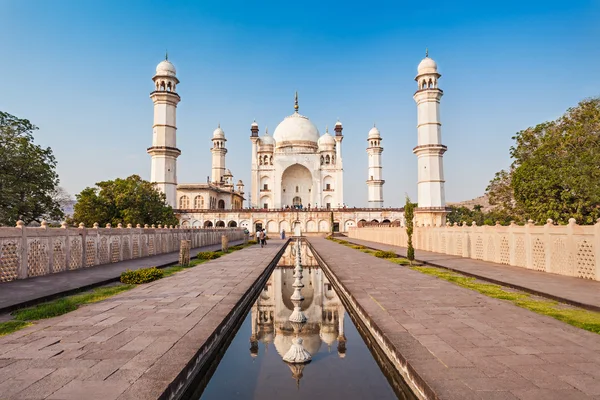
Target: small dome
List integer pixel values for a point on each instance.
(339, 123)
(374, 133)
(228, 173)
(165, 67)
(218, 133)
(240, 183)
(427, 66)
(326, 140)
(266, 139)
(254, 124)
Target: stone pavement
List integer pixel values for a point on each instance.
(463, 345)
(23, 292)
(576, 291)
(132, 345)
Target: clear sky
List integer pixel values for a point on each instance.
(81, 71)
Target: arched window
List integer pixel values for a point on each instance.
(162, 85)
(184, 202)
(297, 201)
(260, 161)
(430, 83)
(424, 85)
(169, 87)
(327, 159)
(221, 205)
(208, 224)
(198, 202)
(220, 224)
(270, 160)
(322, 160)
(232, 224)
(333, 159)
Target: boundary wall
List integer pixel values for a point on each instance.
(27, 252)
(571, 250)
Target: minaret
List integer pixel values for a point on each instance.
(339, 164)
(218, 155)
(164, 149)
(254, 189)
(375, 183)
(431, 209)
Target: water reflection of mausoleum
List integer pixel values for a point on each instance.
(322, 307)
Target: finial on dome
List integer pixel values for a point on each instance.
(266, 130)
(326, 128)
(296, 102)
(166, 55)
(219, 125)
(426, 52)
(374, 125)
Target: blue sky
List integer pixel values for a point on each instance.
(81, 71)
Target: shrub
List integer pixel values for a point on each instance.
(342, 242)
(358, 247)
(252, 242)
(142, 275)
(208, 255)
(385, 254)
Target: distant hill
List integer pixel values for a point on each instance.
(481, 200)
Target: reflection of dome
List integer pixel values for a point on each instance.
(296, 128)
(328, 337)
(427, 66)
(165, 67)
(311, 342)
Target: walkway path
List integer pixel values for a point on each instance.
(464, 345)
(133, 345)
(22, 292)
(576, 291)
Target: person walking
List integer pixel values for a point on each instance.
(258, 236)
(282, 234)
(261, 238)
(264, 237)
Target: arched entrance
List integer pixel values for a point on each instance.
(296, 186)
(208, 224)
(232, 224)
(220, 224)
(221, 205)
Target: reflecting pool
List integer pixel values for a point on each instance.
(342, 366)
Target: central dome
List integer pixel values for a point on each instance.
(295, 128)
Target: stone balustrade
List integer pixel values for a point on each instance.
(26, 252)
(571, 250)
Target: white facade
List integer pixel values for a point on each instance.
(164, 149)
(375, 181)
(297, 167)
(429, 150)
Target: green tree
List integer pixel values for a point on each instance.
(28, 178)
(126, 201)
(409, 216)
(555, 171)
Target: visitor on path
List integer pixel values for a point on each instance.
(282, 234)
(264, 239)
(261, 238)
(258, 236)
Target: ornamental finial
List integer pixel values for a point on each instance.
(326, 128)
(167, 55)
(296, 102)
(426, 52)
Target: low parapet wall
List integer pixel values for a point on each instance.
(27, 252)
(570, 250)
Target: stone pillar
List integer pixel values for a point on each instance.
(184, 252)
(224, 243)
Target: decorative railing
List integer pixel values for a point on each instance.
(571, 250)
(273, 210)
(26, 252)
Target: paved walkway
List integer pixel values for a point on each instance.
(576, 291)
(22, 292)
(133, 345)
(462, 344)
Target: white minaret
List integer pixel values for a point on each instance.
(164, 149)
(375, 181)
(431, 208)
(218, 155)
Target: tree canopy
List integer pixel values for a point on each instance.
(555, 171)
(126, 201)
(28, 180)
